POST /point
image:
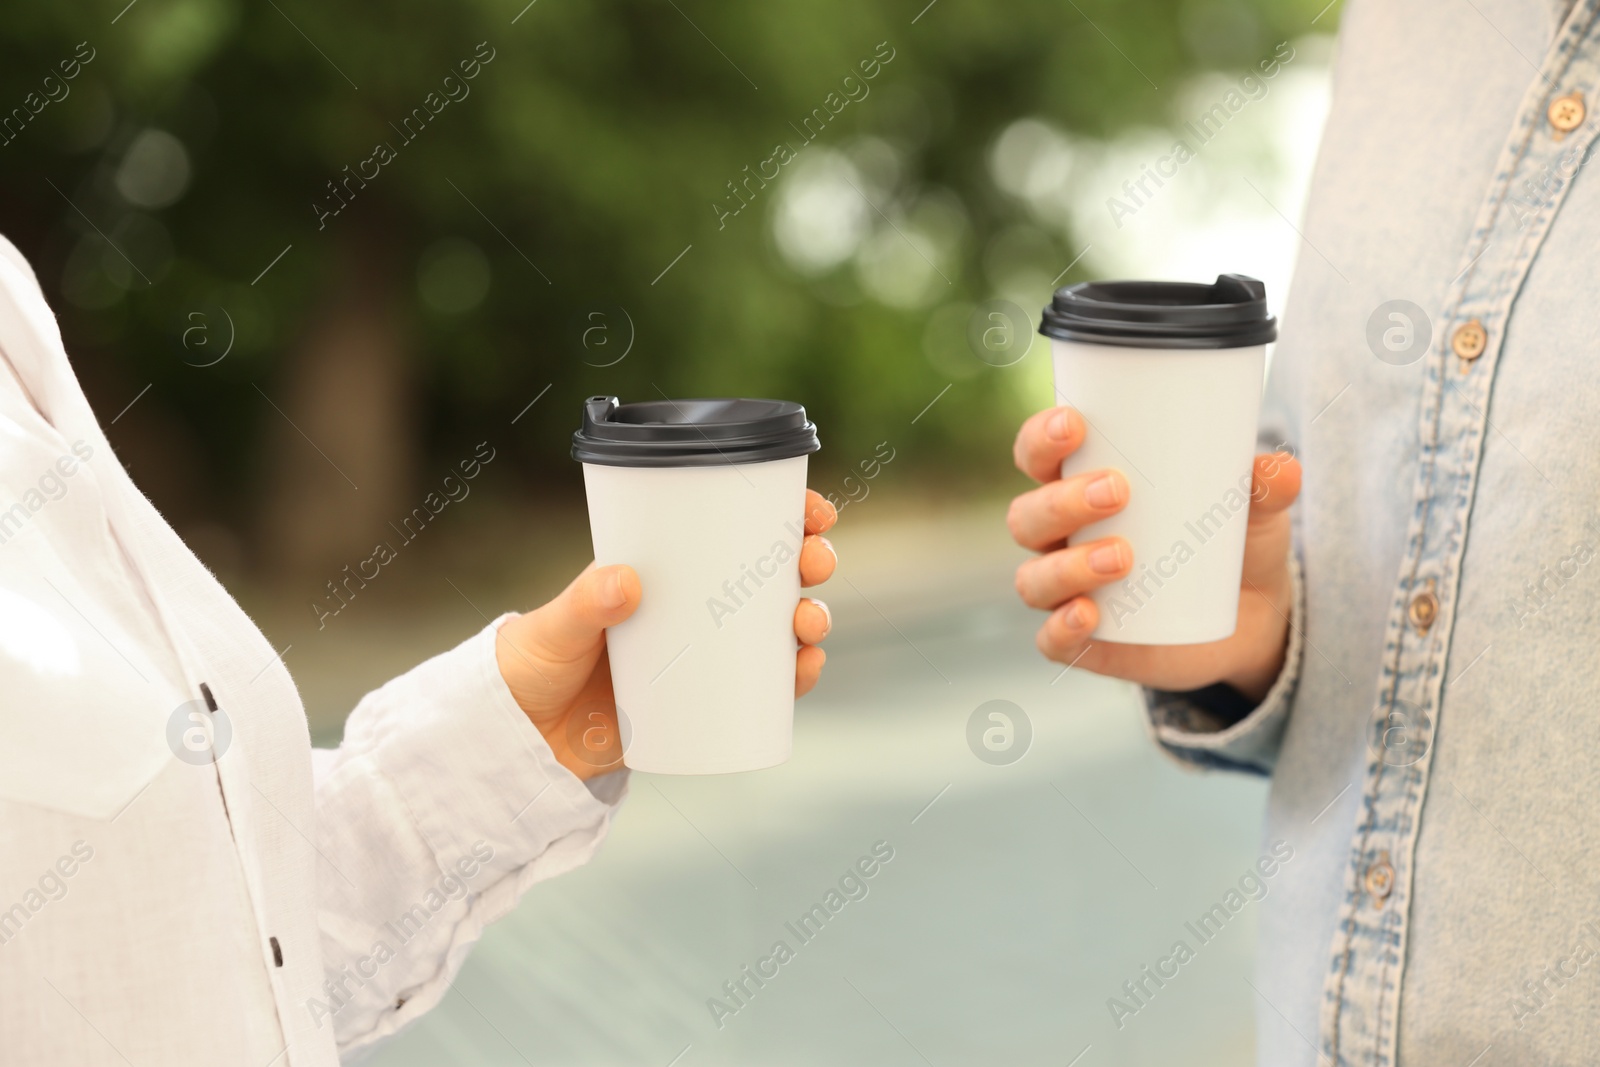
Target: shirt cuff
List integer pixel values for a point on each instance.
(473, 770)
(1216, 727)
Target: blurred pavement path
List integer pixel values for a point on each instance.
(1019, 899)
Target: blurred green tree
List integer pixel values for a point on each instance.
(405, 223)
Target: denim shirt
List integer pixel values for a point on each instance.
(1434, 739)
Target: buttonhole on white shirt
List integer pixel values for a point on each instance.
(277, 952)
(211, 701)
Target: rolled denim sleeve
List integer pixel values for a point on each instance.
(1217, 728)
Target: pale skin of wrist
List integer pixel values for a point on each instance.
(1059, 578)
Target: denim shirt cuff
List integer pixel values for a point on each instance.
(1216, 727)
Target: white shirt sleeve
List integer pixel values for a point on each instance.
(441, 807)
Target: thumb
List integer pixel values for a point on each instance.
(1274, 486)
(569, 627)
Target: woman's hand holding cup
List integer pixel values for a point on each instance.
(553, 659)
(1059, 578)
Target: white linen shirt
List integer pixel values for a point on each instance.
(278, 904)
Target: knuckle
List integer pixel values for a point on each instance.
(1071, 566)
(1020, 448)
(1062, 504)
(1047, 577)
(1026, 464)
(1014, 519)
(1022, 519)
(1052, 641)
(1060, 636)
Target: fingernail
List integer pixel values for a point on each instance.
(1104, 492)
(1060, 425)
(1107, 559)
(827, 625)
(612, 595)
(827, 544)
(1077, 615)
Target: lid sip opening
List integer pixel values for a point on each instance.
(1229, 313)
(691, 433)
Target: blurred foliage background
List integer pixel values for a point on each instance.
(257, 357)
(155, 191)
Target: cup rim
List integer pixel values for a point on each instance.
(707, 431)
(1228, 313)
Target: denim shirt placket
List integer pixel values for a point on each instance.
(1361, 1001)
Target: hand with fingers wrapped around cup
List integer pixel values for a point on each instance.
(1068, 570)
(554, 659)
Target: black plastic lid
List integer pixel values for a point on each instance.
(691, 433)
(1231, 313)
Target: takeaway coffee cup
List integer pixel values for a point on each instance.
(1167, 376)
(705, 499)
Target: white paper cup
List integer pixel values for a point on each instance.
(1167, 377)
(705, 499)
